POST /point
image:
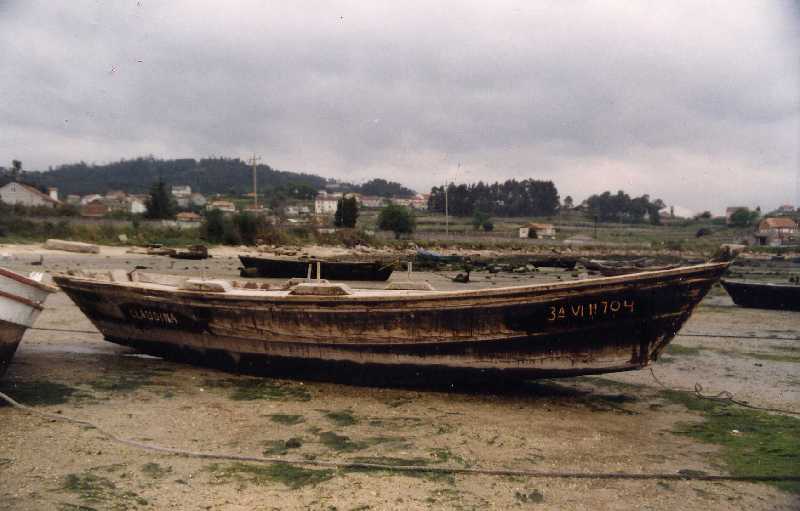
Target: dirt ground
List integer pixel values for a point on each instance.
(617, 423)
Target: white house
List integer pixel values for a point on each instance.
(182, 191)
(325, 205)
(19, 193)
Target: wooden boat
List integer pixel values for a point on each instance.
(21, 300)
(331, 270)
(762, 295)
(586, 326)
(193, 252)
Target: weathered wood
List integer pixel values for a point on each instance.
(580, 327)
(72, 246)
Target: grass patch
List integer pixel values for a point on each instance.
(342, 418)
(445, 455)
(342, 443)
(120, 383)
(34, 393)
(612, 384)
(92, 488)
(252, 389)
(677, 349)
(289, 475)
(774, 357)
(282, 446)
(754, 443)
(155, 471)
(401, 462)
(286, 420)
(531, 497)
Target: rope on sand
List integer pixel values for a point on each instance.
(724, 397)
(680, 476)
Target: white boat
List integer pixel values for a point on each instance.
(21, 300)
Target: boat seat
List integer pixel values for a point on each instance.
(262, 286)
(157, 278)
(294, 281)
(408, 285)
(320, 289)
(207, 286)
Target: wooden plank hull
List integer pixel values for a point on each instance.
(10, 336)
(764, 295)
(581, 327)
(331, 270)
(20, 305)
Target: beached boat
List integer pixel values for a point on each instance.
(272, 267)
(556, 329)
(763, 295)
(21, 300)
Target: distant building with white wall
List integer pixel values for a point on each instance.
(19, 193)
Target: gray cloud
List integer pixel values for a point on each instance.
(696, 103)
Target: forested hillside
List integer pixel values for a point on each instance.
(207, 175)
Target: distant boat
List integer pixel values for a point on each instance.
(330, 270)
(21, 300)
(588, 326)
(761, 295)
(553, 262)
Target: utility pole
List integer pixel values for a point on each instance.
(253, 161)
(446, 217)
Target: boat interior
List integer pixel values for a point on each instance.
(295, 286)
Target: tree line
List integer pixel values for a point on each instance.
(528, 197)
(621, 207)
(206, 175)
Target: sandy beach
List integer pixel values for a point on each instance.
(609, 424)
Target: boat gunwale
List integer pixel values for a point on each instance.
(21, 299)
(22, 279)
(393, 296)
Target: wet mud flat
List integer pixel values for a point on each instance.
(623, 422)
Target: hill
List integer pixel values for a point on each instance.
(207, 176)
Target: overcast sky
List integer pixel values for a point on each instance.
(694, 102)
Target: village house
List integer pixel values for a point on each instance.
(116, 195)
(325, 203)
(188, 217)
(137, 204)
(538, 231)
(25, 195)
(222, 205)
(198, 200)
(95, 209)
(371, 201)
(86, 199)
(182, 195)
(73, 199)
(776, 231)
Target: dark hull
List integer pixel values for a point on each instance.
(554, 262)
(764, 296)
(331, 270)
(582, 327)
(10, 336)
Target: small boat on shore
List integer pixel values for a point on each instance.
(763, 295)
(272, 267)
(587, 326)
(21, 300)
